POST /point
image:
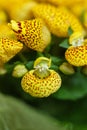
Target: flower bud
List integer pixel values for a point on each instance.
(84, 70)
(19, 70)
(66, 68)
(2, 70)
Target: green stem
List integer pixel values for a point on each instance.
(22, 57)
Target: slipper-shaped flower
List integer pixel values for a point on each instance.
(77, 56)
(41, 82)
(33, 33)
(58, 19)
(62, 2)
(8, 49)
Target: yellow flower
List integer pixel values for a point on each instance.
(33, 33)
(6, 32)
(41, 87)
(22, 10)
(62, 2)
(41, 81)
(3, 16)
(77, 56)
(8, 49)
(57, 19)
(76, 39)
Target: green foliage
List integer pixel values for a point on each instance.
(64, 44)
(67, 105)
(16, 115)
(73, 87)
(70, 31)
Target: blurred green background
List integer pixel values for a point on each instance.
(64, 110)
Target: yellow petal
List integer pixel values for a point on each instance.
(77, 56)
(33, 33)
(57, 19)
(41, 87)
(8, 49)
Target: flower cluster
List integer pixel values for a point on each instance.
(50, 34)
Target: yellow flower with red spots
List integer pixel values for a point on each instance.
(8, 49)
(77, 56)
(62, 2)
(33, 33)
(41, 81)
(58, 19)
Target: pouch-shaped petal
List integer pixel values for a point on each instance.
(77, 56)
(58, 19)
(41, 87)
(8, 49)
(33, 33)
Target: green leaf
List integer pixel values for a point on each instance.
(16, 115)
(29, 65)
(73, 87)
(70, 31)
(64, 44)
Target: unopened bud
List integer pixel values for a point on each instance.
(2, 70)
(67, 68)
(19, 71)
(84, 70)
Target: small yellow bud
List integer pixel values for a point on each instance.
(8, 49)
(84, 70)
(66, 68)
(19, 70)
(2, 70)
(58, 19)
(77, 56)
(76, 39)
(33, 33)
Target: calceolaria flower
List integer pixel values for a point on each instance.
(41, 81)
(62, 2)
(3, 16)
(77, 56)
(33, 33)
(8, 49)
(58, 19)
(22, 10)
(6, 32)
